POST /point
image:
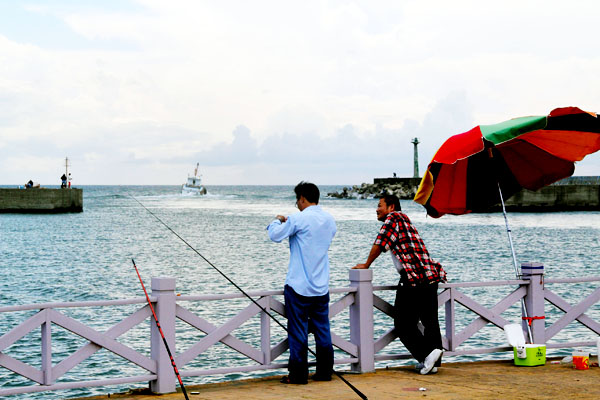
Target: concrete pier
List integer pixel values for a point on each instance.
(572, 197)
(461, 380)
(41, 200)
(577, 193)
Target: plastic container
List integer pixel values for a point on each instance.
(525, 355)
(581, 360)
(535, 355)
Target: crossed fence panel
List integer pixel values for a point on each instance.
(47, 316)
(572, 312)
(268, 353)
(360, 351)
(538, 293)
(47, 375)
(449, 298)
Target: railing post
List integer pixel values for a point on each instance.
(361, 319)
(47, 350)
(534, 300)
(450, 318)
(265, 332)
(164, 289)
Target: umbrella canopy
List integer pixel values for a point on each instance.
(526, 152)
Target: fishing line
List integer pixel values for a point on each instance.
(358, 392)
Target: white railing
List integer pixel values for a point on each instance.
(263, 348)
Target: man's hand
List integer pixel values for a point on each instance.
(373, 254)
(281, 218)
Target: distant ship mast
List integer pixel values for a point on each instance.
(196, 169)
(67, 166)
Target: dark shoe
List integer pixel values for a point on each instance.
(321, 378)
(286, 379)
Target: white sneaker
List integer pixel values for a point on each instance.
(430, 361)
(420, 366)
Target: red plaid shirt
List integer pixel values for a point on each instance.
(399, 235)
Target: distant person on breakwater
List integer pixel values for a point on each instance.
(63, 181)
(70, 180)
(416, 295)
(306, 290)
(29, 184)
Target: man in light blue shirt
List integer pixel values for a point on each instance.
(306, 290)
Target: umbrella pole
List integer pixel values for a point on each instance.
(508, 231)
(514, 258)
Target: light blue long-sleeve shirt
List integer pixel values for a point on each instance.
(310, 233)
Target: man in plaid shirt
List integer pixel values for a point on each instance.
(416, 295)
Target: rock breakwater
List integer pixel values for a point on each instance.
(404, 188)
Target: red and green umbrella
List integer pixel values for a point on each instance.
(479, 168)
(528, 152)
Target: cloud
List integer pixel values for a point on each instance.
(242, 151)
(296, 149)
(346, 153)
(136, 91)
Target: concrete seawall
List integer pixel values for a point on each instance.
(41, 200)
(555, 198)
(577, 193)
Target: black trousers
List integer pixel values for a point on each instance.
(414, 304)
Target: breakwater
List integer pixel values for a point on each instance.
(41, 200)
(555, 198)
(577, 193)
(404, 188)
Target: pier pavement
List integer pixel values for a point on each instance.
(461, 380)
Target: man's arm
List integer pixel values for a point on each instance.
(280, 228)
(373, 254)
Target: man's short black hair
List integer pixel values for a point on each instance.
(310, 191)
(392, 199)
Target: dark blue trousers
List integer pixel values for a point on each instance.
(302, 312)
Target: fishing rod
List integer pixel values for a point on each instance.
(358, 392)
(161, 333)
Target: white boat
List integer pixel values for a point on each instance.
(194, 184)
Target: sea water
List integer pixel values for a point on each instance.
(87, 256)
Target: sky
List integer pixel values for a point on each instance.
(136, 92)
